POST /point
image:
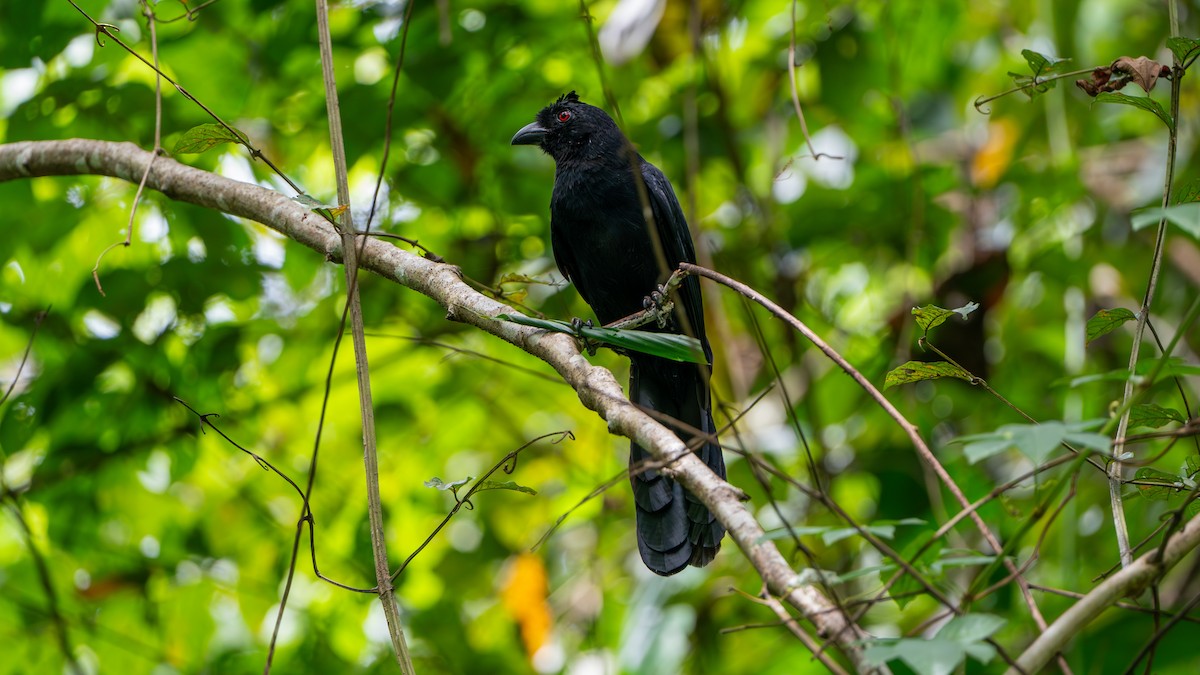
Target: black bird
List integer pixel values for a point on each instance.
(604, 244)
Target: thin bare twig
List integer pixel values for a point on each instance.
(350, 245)
(1118, 448)
(796, 93)
(508, 463)
(37, 323)
(44, 578)
(148, 12)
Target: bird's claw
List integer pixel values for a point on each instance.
(655, 302)
(587, 344)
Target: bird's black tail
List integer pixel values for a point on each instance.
(674, 529)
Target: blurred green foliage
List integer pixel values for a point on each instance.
(167, 547)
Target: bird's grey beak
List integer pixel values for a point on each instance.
(530, 134)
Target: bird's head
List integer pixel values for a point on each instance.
(571, 129)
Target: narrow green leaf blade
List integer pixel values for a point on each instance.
(533, 322)
(1106, 321)
(505, 485)
(834, 536)
(962, 561)
(681, 348)
(798, 530)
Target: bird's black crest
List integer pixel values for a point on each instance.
(570, 97)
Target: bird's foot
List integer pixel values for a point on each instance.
(585, 343)
(656, 303)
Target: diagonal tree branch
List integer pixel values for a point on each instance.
(597, 388)
(1131, 580)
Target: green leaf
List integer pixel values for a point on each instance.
(1106, 321)
(1184, 216)
(1098, 442)
(1156, 493)
(1153, 416)
(1189, 192)
(1191, 466)
(798, 530)
(1144, 102)
(204, 137)
(1035, 441)
(962, 561)
(915, 371)
(882, 529)
(1041, 66)
(931, 316)
(505, 485)
(865, 571)
(665, 345)
(971, 628)
(1175, 367)
(1183, 48)
(904, 591)
(980, 651)
(927, 657)
(514, 278)
(437, 483)
(946, 651)
(984, 448)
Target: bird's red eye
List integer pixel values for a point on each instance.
(564, 115)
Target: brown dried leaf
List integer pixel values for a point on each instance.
(1097, 84)
(1143, 71)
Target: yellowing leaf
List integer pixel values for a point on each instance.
(524, 596)
(993, 159)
